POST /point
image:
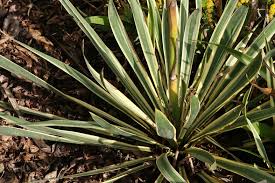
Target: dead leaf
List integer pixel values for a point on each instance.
(11, 25)
(27, 143)
(34, 149)
(2, 167)
(52, 175)
(37, 35)
(6, 138)
(42, 145)
(266, 91)
(28, 157)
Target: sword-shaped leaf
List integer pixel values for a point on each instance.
(193, 112)
(187, 50)
(236, 85)
(220, 123)
(145, 40)
(165, 128)
(128, 172)
(106, 169)
(121, 100)
(257, 138)
(167, 169)
(254, 116)
(107, 55)
(230, 35)
(73, 136)
(190, 38)
(30, 111)
(252, 50)
(207, 178)
(19, 71)
(243, 169)
(216, 37)
(130, 54)
(203, 155)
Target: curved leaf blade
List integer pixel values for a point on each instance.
(76, 137)
(167, 169)
(254, 116)
(194, 111)
(165, 128)
(130, 54)
(207, 178)
(107, 55)
(13, 131)
(190, 38)
(124, 102)
(145, 40)
(252, 51)
(128, 172)
(257, 138)
(230, 35)
(220, 123)
(215, 38)
(128, 133)
(19, 71)
(105, 169)
(30, 111)
(245, 170)
(203, 155)
(230, 91)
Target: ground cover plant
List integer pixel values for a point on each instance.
(185, 101)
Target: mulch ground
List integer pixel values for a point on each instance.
(46, 26)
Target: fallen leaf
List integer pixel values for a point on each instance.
(52, 175)
(2, 167)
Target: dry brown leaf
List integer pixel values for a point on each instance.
(52, 175)
(266, 91)
(34, 149)
(42, 145)
(37, 35)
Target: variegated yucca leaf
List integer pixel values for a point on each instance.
(185, 97)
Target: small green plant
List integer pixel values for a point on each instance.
(176, 113)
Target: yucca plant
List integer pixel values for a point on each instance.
(176, 113)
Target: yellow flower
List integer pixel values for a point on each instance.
(271, 11)
(243, 2)
(209, 10)
(210, 3)
(159, 3)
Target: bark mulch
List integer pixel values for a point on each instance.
(46, 26)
